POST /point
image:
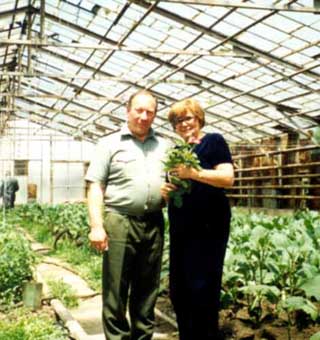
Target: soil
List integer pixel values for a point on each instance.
(162, 326)
(238, 326)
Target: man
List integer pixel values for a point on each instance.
(8, 188)
(125, 176)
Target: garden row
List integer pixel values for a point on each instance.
(272, 267)
(17, 264)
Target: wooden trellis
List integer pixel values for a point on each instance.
(277, 178)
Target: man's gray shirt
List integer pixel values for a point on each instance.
(131, 170)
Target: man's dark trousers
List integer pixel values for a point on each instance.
(131, 275)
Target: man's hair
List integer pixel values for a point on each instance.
(144, 93)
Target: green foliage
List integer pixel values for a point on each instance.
(66, 227)
(272, 259)
(311, 287)
(299, 303)
(87, 260)
(64, 292)
(84, 258)
(316, 135)
(293, 304)
(74, 219)
(60, 221)
(20, 324)
(31, 212)
(181, 154)
(256, 295)
(16, 264)
(164, 277)
(269, 260)
(315, 336)
(273, 250)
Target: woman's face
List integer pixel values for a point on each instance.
(188, 127)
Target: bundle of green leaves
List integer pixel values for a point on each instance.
(181, 154)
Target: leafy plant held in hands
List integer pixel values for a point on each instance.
(181, 154)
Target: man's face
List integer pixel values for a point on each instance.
(141, 115)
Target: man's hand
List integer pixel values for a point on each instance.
(165, 189)
(99, 239)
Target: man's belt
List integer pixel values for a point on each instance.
(145, 217)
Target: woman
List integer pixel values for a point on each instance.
(199, 230)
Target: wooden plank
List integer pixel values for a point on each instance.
(289, 186)
(287, 166)
(253, 178)
(275, 196)
(276, 152)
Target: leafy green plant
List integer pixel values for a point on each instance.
(315, 336)
(50, 228)
(60, 221)
(20, 324)
(256, 295)
(311, 287)
(272, 251)
(72, 223)
(297, 303)
(16, 264)
(181, 154)
(265, 255)
(85, 259)
(32, 212)
(64, 292)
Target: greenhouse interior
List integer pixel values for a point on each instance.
(67, 71)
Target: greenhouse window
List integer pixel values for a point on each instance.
(21, 168)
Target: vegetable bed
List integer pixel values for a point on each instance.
(17, 262)
(271, 275)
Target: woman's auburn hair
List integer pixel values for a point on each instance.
(182, 107)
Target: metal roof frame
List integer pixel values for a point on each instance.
(71, 65)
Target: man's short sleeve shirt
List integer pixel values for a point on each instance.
(131, 170)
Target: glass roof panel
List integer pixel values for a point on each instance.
(282, 23)
(76, 87)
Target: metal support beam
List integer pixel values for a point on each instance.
(238, 124)
(29, 23)
(204, 53)
(257, 6)
(16, 11)
(42, 19)
(99, 77)
(170, 99)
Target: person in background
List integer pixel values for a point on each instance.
(8, 188)
(124, 204)
(199, 230)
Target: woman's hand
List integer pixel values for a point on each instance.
(184, 172)
(165, 189)
(221, 176)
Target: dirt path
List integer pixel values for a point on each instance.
(86, 318)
